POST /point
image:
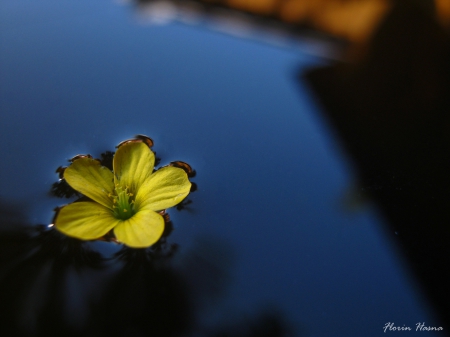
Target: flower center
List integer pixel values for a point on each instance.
(123, 203)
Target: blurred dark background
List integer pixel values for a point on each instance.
(277, 254)
(388, 96)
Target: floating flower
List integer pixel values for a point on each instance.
(126, 200)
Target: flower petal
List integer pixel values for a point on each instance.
(163, 189)
(88, 177)
(141, 230)
(133, 163)
(85, 220)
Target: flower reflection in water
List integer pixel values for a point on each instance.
(54, 285)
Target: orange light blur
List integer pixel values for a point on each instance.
(443, 12)
(263, 7)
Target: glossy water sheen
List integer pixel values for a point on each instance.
(81, 76)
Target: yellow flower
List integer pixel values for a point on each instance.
(126, 201)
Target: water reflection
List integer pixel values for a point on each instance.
(145, 297)
(391, 109)
(48, 279)
(37, 263)
(60, 286)
(184, 84)
(350, 20)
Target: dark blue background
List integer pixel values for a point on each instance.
(81, 76)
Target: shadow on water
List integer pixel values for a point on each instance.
(53, 285)
(34, 263)
(391, 108)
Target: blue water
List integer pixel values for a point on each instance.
(81, 76)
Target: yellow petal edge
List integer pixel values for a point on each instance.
(85, 220)
(141, 230)
(163, 189)
(132, 164)
(88, 177)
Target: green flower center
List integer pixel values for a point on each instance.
(123, 203)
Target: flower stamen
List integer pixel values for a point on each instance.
(125, 205)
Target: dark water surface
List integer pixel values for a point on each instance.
(269, 232)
